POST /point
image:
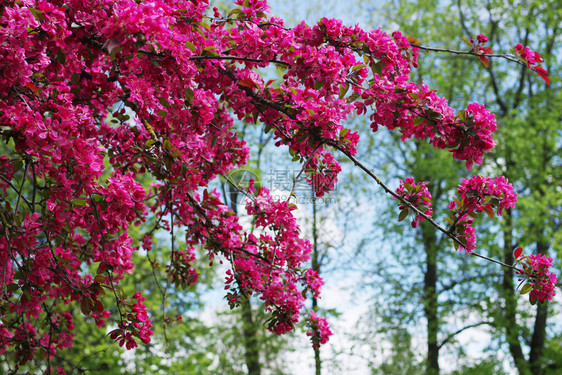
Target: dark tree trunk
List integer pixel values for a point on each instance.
(315, 267)
(430, 299)
(510, 311)
(250, 340)
(249, 329)
(539, 331)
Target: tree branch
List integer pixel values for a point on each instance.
(452, 335)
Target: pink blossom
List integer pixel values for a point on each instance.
(319, 330)
(416, 194)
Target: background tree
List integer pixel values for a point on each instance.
(529, 140)
(174, 75)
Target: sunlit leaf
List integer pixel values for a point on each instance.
(484, 61)
(526, 288)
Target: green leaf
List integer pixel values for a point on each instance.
(11, 288)
(377, 68)
(167, 145)
(37, 14)
(164, 102)
(343, 90)
(191, 46)
(189, 95)
(79, 202)
(357, 67)
(403, 214)
(318, 85)
(162, 113)
(114, 52)
(526, 288)
(234, 12)
(18, 164)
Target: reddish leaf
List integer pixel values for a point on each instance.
(489, 210)
(248, 83)
(31, 86)
(484, 60)
(543, 73)
(98, 307)
(517, 253)
(86, 306)
(413, 41)
(486, 50)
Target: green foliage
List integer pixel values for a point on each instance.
(529, 138)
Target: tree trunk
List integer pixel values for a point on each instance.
(539, 331)
(510, 311)
(430, 299)
(249, 329)
(315, 267)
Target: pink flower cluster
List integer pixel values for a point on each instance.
(531, 58)
(475, 134)
(416, 194)
(482, 38)
(323, 173)
(275, 277)
(479, 194)
(319, 332)
(97, 99)
(541, 283)
(482, 193)
(138, 324)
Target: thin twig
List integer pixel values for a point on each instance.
(238, 58)
(457, 52)
(304, 166)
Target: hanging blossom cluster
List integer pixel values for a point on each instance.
(276, 278)
(532, 59)
(138, 324)
(99, 96)
(319, 332)
(478, 194)
(418, 196)
(538, 281)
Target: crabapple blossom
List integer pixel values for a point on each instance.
(416, 194)
(99, 97)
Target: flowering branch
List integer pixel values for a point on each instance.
(417, 211)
